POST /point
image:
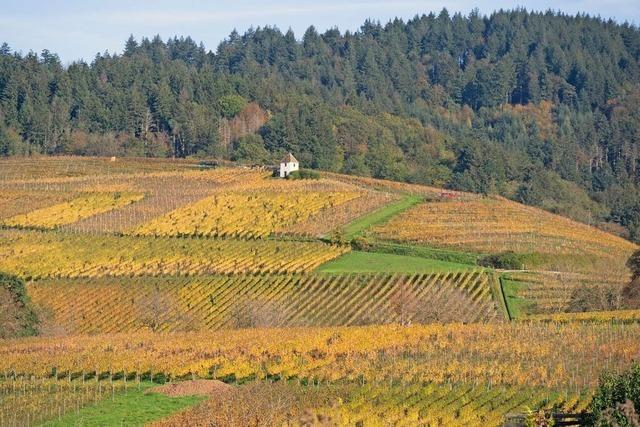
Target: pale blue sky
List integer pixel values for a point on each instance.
(79, 29)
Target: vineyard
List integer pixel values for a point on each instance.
(32, 402)
(163, 191)
(222, 302)
(18, 201)
(161, 270)
(616, 316)
(518, 354)
(21, 169)
(389, 404)
(450, 374)
(430, 193)
(551, 292)
(243, 215)
(79, 208)
(493, 225)
(39, 255)
(455, 404)
(184, 200)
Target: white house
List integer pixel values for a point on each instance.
(288, 165)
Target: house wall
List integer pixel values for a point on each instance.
(287, 168)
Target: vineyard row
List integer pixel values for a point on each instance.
(219, 302)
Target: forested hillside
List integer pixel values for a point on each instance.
(540, 107)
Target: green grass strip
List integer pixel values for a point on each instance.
(393, 248)
(373, 262)
(356, 227)
(498, 295)
(517, 306)
(133, 408)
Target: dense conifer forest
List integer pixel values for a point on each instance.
(543, 108)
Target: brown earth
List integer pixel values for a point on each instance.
(191, 388)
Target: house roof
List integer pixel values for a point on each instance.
(289, 158)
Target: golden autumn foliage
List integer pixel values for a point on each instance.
(222, 302)
(290, 404)
(589, 316)
(81, 207)
(39, 255)
(492, 225)
(525, 354)
(246, 215)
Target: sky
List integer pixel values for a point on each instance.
(78, 29)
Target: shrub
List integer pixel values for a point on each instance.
(631, 291)
(304, 174)
(505, 261)
(17, 317)
(631, 294)
(633, 263)
(595, 298)
(617, 399)
(360, 244)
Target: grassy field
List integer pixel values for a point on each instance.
(379, 216)
(456, 257)
(135, 408)
(516, 306)
(372, 262)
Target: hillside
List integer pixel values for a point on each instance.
(108, 219)
(539, 107)
(494, 225)
(340, 289)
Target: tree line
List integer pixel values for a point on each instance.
(541, 107)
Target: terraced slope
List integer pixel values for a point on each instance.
(219, 302)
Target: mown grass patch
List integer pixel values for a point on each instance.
(135, 408)
(372, 262)
(447, 255)
(517, 306)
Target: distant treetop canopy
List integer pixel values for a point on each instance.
(540, 107)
